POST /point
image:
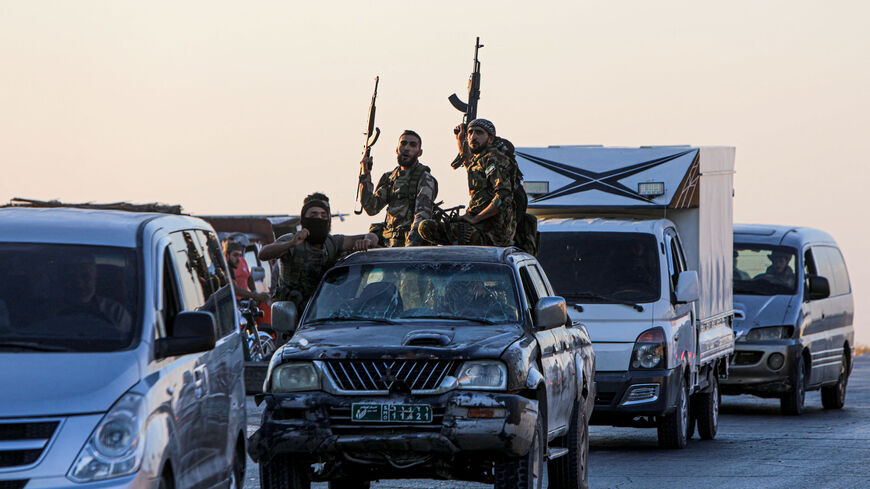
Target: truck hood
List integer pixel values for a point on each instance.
(752, 311)
(53, 384)
(420, 340)
(613, 323)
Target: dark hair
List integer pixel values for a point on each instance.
(408, 132)
(235, 246)
(316, 196)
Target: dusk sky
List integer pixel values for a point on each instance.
(231, 107)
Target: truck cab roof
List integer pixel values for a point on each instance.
(437, 254)
(614, 225)
(782, 235)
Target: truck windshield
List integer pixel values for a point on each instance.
(602, 268)
(764, 269)
(56, 297)
(400, 292)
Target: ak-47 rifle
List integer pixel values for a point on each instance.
(372, 134)
(470, 108)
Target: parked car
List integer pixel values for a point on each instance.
(430, 362)
(120, 352)
(794, 311)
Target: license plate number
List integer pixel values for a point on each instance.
(390, 413)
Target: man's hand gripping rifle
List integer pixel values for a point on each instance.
(372, 134)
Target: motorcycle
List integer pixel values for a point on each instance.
(258, 344)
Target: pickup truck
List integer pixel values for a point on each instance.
(429, 362)
(638, 241)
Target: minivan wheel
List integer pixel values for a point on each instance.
(834, 396)
(237, 473)
(792, 402)
(283, 472)
(706, 411)
(525, 472)
(572, 470)
(673, 429)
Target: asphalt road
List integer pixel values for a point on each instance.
(756, 448)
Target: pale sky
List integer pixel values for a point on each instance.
(245, 107)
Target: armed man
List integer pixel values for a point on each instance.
(490, 219)
(408, 192)
(306, 255)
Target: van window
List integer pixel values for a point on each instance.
(220, 302)
(764, 269)
(832, 266)
(171, 302)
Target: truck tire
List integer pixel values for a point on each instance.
(792, 402)
(571, 471)
(673, 428)
(282, 472)
(834, 396)
(525, 472)
(705, 410)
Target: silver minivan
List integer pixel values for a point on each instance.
(120, 353)
(793, 316)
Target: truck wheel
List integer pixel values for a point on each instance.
(572, 470)
(674, 428)
(525, 472)
(705, 410)
(792, 402)
(834, 396)
(349, 484)
(282, 472)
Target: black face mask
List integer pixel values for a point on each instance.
(318, 229)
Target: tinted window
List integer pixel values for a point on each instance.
(408, 291)
(602, 267)
(220, 302)
(68, 297)
(764, 269)
(833, 268)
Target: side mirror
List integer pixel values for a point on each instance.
(687, 287)
(193, 332)
(258, 273)
(817, 288)
(550, 312)
(284, 316)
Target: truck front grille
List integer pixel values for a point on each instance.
(383, 375)
(22, 443)
(14, 484)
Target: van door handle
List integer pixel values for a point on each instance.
(200, 381)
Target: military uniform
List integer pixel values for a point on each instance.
(302, 267)
(408, 195)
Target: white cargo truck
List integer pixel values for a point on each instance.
(639, 242)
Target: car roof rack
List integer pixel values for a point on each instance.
(116, 206)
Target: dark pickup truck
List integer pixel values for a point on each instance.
(442, 362)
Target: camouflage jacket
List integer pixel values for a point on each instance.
(490, 181)
(408, 196)
(303, 266)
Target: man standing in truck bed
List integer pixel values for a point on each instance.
(408, 192)
(490, 219)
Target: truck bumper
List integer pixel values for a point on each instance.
(622, 396)
(761, 368)
(313, 424)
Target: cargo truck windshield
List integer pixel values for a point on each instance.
(764, 269)
(602, 268)
(75, 298)
(402, 292)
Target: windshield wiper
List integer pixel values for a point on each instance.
(452, 318)
(608, 300)
(30, 345)
(339, 319)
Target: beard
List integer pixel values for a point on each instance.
(477, 148)
(405, 161)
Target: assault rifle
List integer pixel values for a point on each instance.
(470, 108)
(372, 134)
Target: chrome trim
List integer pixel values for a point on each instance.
(635, 387)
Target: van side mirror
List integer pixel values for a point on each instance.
(258, 273)
(284, 316)
(192, 332)
(550, 312)
(817, 288)
(687, 287)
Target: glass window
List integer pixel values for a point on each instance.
(764, 269)
(604, 268)
(220, 302)
(56, 297)
(528, 287)
(833, 268)
(416, 291)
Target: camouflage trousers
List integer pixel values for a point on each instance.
(453, 233)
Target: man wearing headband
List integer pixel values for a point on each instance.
(308, 254)
(491, 174)
(408, 192)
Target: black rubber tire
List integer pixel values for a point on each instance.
(834, 396)
(673, 428)
(525, 472)
(571, 471)
(705, 410)
(282, 472)
(165, 482)
(792, 402)
(237, 471)
(349, 484)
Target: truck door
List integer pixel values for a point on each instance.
(681, 315)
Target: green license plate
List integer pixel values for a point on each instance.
(390, 413)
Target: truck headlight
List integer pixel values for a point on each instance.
(649, 350)
(115, 447)
(295, 377)
(769, 333)
(483, 375)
